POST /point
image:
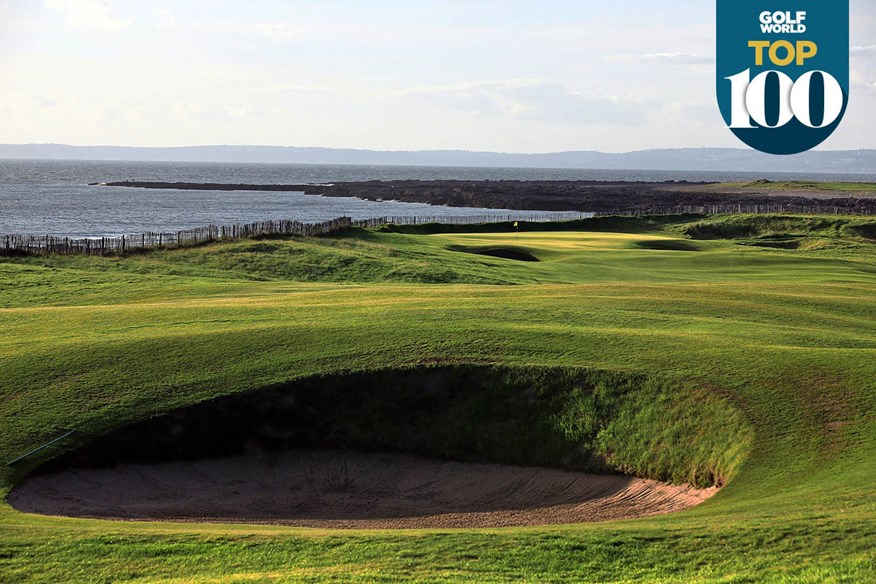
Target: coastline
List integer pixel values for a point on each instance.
(583, 196)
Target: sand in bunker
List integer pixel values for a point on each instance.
(340, 489)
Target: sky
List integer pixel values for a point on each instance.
(496, 75)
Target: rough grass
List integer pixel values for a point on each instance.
(788, 336)
(746, 226)
(796, 185)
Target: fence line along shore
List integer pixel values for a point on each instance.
(48, 244)
(14, 245)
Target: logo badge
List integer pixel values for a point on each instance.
(783, 71)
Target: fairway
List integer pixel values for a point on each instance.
(732, 351)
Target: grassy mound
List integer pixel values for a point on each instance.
(787, 232)
(748, 226)
(358, 256)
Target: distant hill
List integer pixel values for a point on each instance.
(691, 159)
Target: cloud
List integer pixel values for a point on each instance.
(281, 31)
(863, 63)
(93, 14)
(300, 89)
(44, 102)
(23, 101)
(165, 18)
(672, 58)
(534, 100)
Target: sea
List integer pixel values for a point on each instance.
(53, 197)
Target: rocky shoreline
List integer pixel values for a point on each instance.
(585, 196)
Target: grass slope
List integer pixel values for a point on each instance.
(787, 335)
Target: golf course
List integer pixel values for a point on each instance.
(721, 369)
